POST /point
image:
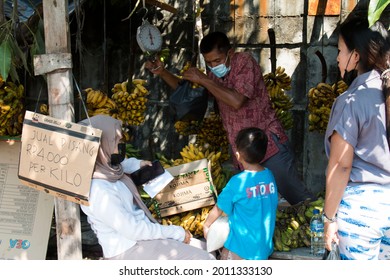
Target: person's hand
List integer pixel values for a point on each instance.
(144, 163)
(330, 234)
(205, 231)
(194, 75)
(155, 65)
(188, 237)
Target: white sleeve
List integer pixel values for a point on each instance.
(115, 209)
(130, 165)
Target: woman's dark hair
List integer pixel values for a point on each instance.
(370, 42)
(215, 40)
(373, 45)
(251, 143)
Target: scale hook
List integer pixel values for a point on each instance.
(146, 12)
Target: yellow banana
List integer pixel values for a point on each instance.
(139, 81)
(101, 111)
(94, 97)
(204, 213)
(5, 108)
(110, 103)
(187, 216)
(142, 89)
(117, 87)
(100, 97)
(103, 101)
(194, 223)
(184, 154)
(325, 88)
(294, 224)
(124, 86)
(89, 96)
(188, 222)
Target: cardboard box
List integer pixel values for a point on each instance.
(26, 214)
(191, 188)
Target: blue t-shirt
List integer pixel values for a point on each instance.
(250, 200)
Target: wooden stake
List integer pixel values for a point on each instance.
(60, 93)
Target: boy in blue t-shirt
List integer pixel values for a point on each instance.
(250, 200)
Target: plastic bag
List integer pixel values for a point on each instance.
(217, 234)
(188, 103)
(334, 254)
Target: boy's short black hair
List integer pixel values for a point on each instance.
(215, 40)
(251, 143)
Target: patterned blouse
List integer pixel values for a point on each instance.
(246, 78)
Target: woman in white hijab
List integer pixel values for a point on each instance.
(123, 224)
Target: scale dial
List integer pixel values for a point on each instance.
(149, 37)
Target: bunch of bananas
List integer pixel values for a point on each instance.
(186, 128)
(277, 84)
(321, 98)
(213, 134)
(193, 152)
(209, 132)
(131, 101)
(98, 103)
(186, 66)
(11, 108)
(192, 220)
(292, 229)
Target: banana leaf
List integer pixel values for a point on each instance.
(19, 56)
(375, 9)
(38, 46)
(5, 59)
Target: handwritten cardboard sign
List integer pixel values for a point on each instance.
(58, 156)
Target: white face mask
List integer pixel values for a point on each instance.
(220, 70)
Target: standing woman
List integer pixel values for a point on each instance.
(357, 199)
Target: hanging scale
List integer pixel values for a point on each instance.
(148, 36)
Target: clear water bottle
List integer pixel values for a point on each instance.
(317, 234)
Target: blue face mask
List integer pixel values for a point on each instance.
(220, 70)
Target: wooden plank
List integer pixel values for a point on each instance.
(60, 93)
(47, 63)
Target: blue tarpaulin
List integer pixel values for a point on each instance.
(27, 7)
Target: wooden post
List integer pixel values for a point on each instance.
(272, 43)
(60, 93)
